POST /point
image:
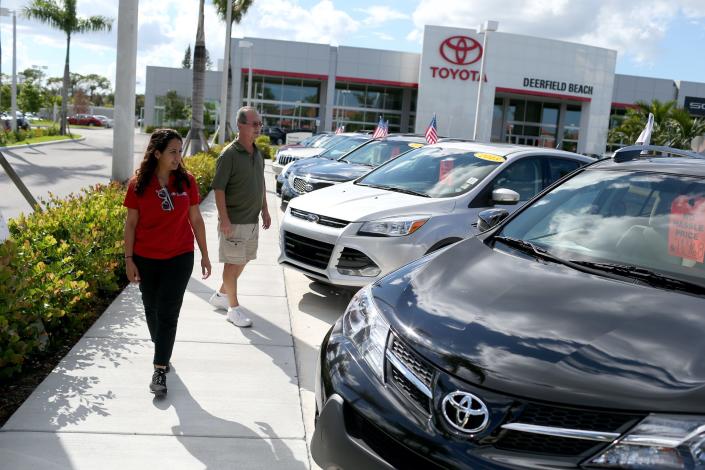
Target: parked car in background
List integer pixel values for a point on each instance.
(84, 120)
(290, 154)
(105, 120)
(304, 176)
(277, 135)
(568, 335)
(22, 122)
(352, 233)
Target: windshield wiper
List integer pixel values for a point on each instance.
(649, 276)
(395, 189)
(528, 247)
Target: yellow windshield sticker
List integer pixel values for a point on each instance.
(490, 157)
(415, 145)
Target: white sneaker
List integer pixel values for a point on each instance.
(219, 300)
(237, 317)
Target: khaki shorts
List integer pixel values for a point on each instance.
(241, 246)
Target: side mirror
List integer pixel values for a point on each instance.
(491, 217)
(505, 196)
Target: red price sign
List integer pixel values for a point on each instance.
(686, 228)
(444, 171)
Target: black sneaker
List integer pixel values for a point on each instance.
(158, 385)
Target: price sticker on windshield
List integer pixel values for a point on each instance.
(444, 171)
(415, 145)
(490, 157)
(686, 228)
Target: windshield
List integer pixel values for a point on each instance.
(434, 171)
(377, 152)
(644, 220)
(341, 148)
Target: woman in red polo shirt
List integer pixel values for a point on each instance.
(162, 219)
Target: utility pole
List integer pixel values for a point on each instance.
(125, 80)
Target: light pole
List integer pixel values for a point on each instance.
(6, 12)
(248, 45)
(224, 76)
(484, 28)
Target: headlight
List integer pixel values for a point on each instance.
(658, 442)
(397, 227)
(364, 325)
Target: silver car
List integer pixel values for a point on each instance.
(352, 233)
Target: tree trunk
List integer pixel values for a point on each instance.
(199, 72)
(229, 113)
(65, 89)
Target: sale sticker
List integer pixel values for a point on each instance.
(444, 171)
(490, 157)
(686, 228)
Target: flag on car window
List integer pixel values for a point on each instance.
(645, 136)
(382, 129)
(340, 129)
(431, 133)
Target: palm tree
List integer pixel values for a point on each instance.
(61, 14)
(239, 9)
(199, 75)
(660, 109)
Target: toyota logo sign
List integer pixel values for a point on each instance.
(461, 50)
(465, 412)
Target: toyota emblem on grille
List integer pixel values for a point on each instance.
(465, 412)
(312, 218)
(308, 187)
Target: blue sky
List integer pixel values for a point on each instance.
(655, 38)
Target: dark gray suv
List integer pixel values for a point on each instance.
(569, 334)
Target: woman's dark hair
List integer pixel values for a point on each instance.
(157, 143)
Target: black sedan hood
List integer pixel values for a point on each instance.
(540, 330)
(331, 170)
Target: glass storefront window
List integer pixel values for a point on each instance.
(533, 111)
(572, 116)
(549, 116)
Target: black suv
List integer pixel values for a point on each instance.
(570, 334)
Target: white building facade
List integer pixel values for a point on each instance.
(535, 91)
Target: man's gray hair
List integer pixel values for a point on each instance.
(242, 113)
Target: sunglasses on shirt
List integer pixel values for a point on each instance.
(167, 204)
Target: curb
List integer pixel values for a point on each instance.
(41, 144)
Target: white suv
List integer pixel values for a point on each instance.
(352, 233)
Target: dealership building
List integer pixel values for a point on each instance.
(534, 91)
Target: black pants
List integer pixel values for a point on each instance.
(163, 283)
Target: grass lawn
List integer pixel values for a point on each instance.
(42, 122)
(45, 138)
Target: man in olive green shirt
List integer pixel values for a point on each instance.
(240, 197)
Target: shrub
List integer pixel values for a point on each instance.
(202, 166)
(66, 259)
(263, 144)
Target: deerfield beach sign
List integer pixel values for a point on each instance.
(555, 85)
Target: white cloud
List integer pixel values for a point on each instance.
(634, 29)
(384, 36)
(379, 14)
(287, 19)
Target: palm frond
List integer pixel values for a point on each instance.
(46, 11)
(94, 24)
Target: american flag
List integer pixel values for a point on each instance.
(382, 129)
(431, 134)
(340, 129)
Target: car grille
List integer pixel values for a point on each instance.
(302, 185)
(527, 412)
(286, 159)
(321, 219)
(354, 259)
(540, 444)
(307, 250)
(414, 365)
(411, 360)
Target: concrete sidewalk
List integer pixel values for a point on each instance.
(234, 399)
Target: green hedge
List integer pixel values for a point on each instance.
(9, 137)
(61, 267)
